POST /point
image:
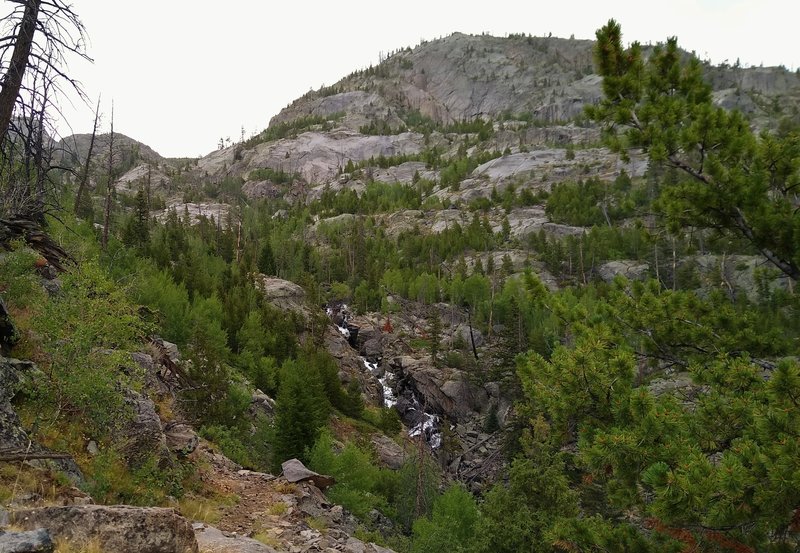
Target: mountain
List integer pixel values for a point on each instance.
(485, 324)
(532, 90)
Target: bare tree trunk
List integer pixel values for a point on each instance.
(38, 208)
(149, 186)
(12, 80)
(85, 174)
(471, 336)
(674, 266)
(110, 187)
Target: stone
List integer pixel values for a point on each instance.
(212, 540)
(91, 448)
(373, 348)
(144, 361)
(261, 405)
(8, 332)
(118, 528)
(389, 452)
(34, 541)
(283, 294)
(295, 471)
(181, 439)
(463, 332)
(172, 350)
(144, 436)
(631, 270)
(337, 513)
(52, 287)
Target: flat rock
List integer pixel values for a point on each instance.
(212, 540)
(118, 528)
(295, 471)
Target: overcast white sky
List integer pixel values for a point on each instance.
(184, 73)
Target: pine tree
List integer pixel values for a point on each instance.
(137, 231)
(266, 260)
(300, 412)
(435, 335)
(730, 178)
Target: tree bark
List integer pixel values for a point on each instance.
(12, 80)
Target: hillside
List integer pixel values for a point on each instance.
(496, 302)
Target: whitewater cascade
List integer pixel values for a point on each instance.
(429, 423)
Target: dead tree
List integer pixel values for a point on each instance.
(21, 53)
(40, 35)
(110, 185)
(85, 174)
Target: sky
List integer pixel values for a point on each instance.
(184, 73)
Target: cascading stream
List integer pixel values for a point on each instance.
(429, 425)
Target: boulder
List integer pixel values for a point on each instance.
(467, 335)
(118, 528)
(181, 439)
(144, 361)
(389, 452)
(34, 541)
(144, 436)
(283, 294)
(295, 471)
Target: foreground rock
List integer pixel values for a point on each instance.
(120, 528)
(35, 541)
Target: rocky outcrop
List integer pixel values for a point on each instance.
(35, 541)
(460, 77)
(13, 438)
(750, 275)
(217, 212)
(390, 453)
(120, 528)
(630, 269)
(443, 391)
(317, 157)
(283, 294)
(138, 177)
